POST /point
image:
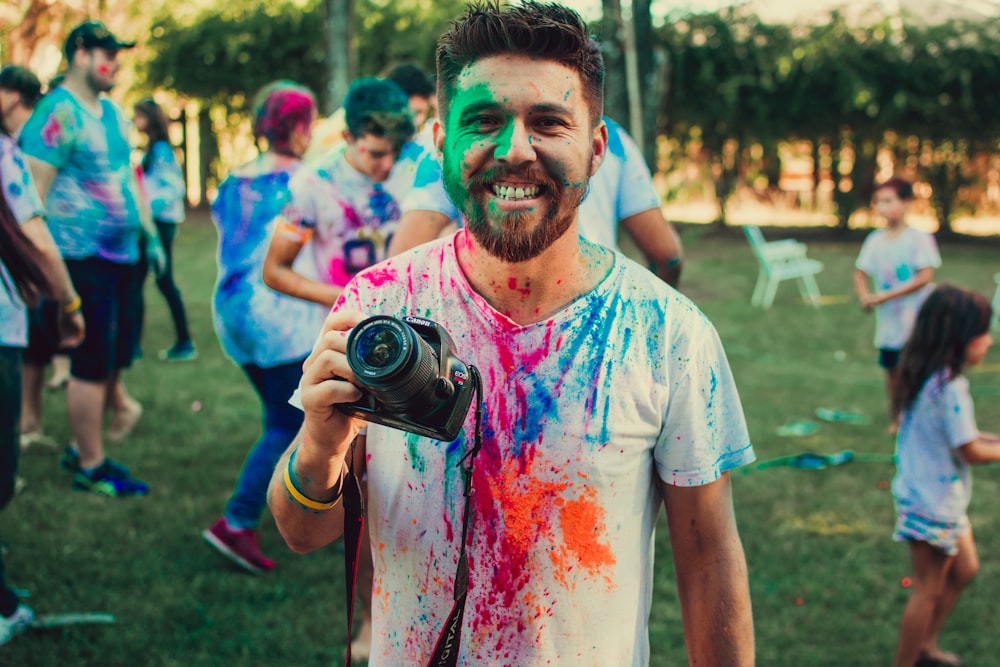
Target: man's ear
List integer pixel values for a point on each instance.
(599, 145)
(438, 130)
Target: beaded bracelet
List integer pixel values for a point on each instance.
(300, 497)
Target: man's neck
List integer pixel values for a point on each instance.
(82, 91)
(532, 291)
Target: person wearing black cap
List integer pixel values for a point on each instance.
(77, 145)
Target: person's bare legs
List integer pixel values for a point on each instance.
(85, 402)
(891, 380)
(60, 372)
(930, 572)
(32, 379)
(125, 410)
(962, 571)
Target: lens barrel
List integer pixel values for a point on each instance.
(394, 363)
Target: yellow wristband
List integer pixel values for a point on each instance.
(73, 305)
(300, 497)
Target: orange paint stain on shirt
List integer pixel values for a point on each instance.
(585, 535)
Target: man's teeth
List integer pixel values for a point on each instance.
(510, 192)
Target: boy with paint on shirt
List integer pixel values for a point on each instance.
(899, 262)
(605, 394)
(347, 205)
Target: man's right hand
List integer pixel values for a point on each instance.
(326, 382)
(71, 328)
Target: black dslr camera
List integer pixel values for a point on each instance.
(413, 380)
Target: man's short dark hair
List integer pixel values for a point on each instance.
(21, 80)
(380, 108)
(413, 80)
(546, 31)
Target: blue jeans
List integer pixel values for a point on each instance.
(10, 448)
(281, 422)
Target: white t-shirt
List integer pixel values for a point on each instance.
(581, 411)
(932, 478)
(891, 262)
(349, 217)
(621, 188)
(24, 202)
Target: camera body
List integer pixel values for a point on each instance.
(410, 376)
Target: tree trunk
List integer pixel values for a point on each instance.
(615, 91)
(339, 51)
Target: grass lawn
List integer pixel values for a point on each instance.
(824, 573)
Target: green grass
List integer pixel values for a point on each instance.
(825, 575)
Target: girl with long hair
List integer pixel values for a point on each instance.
(937, 443)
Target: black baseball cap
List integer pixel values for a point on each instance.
(92, 35)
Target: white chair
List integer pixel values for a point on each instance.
(996, 302)
(782, 260)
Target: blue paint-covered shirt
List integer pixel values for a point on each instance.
(93, 205)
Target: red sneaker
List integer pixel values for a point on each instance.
(239, 546)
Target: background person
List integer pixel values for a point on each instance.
(163, 182)
(605, 394)
(938, 442)
(30, 265)
(266, 333)
(77, 142)
(899, 263)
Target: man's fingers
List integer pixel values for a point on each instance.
(333, 335)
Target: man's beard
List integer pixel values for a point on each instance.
(98, 86)
(513, 241)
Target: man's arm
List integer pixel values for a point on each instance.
(323, 445)
(278, 274)
(658, 241)
(70, 318)
(712, 579)
(417, 227)
(44, 174)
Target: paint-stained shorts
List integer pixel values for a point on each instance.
(912, 527)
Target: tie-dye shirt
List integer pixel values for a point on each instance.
(892, 261)
(932, 478)
(163, 183)
(22, 198)
(348, 217)
(621, 188)
(581, 411)
(93, 204)
(255, 324)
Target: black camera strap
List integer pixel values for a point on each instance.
(446, 650)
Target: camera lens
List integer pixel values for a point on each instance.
(394, 363)
(379, 347)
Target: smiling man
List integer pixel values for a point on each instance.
(605, 394)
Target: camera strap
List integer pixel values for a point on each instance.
(446, 650)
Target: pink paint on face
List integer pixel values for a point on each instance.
(104, 69)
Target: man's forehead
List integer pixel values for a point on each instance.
(525, 67)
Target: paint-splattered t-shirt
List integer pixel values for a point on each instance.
(22, 198)
(349, 218)
(621, 188)
(255, 324)
(891, 262)
(581, 411)
(163, 182)
(93, 204)
(933, 479)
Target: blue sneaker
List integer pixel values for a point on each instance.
(16, 623)
(107, 481)
(70, 462)
(185, 351)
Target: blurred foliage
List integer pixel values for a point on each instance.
(735, 80)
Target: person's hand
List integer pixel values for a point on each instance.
(869, 301)
(326, 382)
(156, 256)
(71, 327)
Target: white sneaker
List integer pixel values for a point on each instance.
(15, 624)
